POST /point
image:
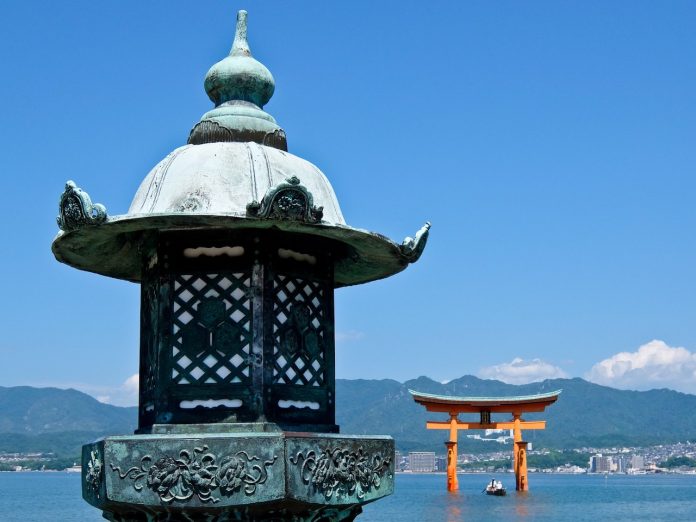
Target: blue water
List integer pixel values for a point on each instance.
(552, 497)
(41, 497)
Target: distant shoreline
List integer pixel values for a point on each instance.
(509, 472)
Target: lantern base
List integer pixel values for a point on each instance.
(242, 477)
(278, 514)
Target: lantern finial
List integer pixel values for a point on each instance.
(240, 46)
(240, 86)
(239, 76)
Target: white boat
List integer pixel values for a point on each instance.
(495, 487)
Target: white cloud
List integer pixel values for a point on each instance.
(132, 384)
(125, 394)
(521, 371)
(653, 365)
(349, 335)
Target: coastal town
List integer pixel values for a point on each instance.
(667, 458)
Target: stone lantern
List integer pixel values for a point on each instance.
(238, 246)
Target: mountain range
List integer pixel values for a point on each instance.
(52, 420)
(586, 414)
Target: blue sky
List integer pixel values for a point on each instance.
(551, 144)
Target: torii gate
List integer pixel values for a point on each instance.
(484, 406)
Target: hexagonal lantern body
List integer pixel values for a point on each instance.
(238, 246)
(237, 327)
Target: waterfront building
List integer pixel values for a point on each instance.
(592, 465)
(601, 463)
(605, 464)
(421, 461)
(621, 463)
(637, 463)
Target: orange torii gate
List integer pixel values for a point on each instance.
(484, 406)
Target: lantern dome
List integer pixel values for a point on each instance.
(233, 175)
(223, 178)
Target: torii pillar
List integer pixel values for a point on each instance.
(452, 482)
(521, 482)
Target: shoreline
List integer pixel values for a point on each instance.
(508, 472)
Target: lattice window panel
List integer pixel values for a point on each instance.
(303, 361)
(220, 354)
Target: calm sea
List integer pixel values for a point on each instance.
(41, 497)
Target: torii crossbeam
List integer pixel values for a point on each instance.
(484, 406)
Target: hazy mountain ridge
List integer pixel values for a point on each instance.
(56, 420)
(53, 420)
(33, 411)
(585, 414)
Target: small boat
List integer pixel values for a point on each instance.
(495, 488)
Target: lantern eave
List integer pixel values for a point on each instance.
(112, 248)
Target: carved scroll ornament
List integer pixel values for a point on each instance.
(412, 248)
(76, 210)
(287, 201)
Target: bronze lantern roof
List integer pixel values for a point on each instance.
(234, 174)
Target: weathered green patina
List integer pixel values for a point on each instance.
(238, 247)
(76, 210)
(238, 476)
(239, 168)
(237, 327)
(239, 86)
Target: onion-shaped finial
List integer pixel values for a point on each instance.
(239, 86)
(239, 76)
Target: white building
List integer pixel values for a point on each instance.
(601, 464)
(421, 461)
(637, 462)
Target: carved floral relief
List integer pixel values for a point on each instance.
(342, 471)
(93, 474)
(198, 474)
